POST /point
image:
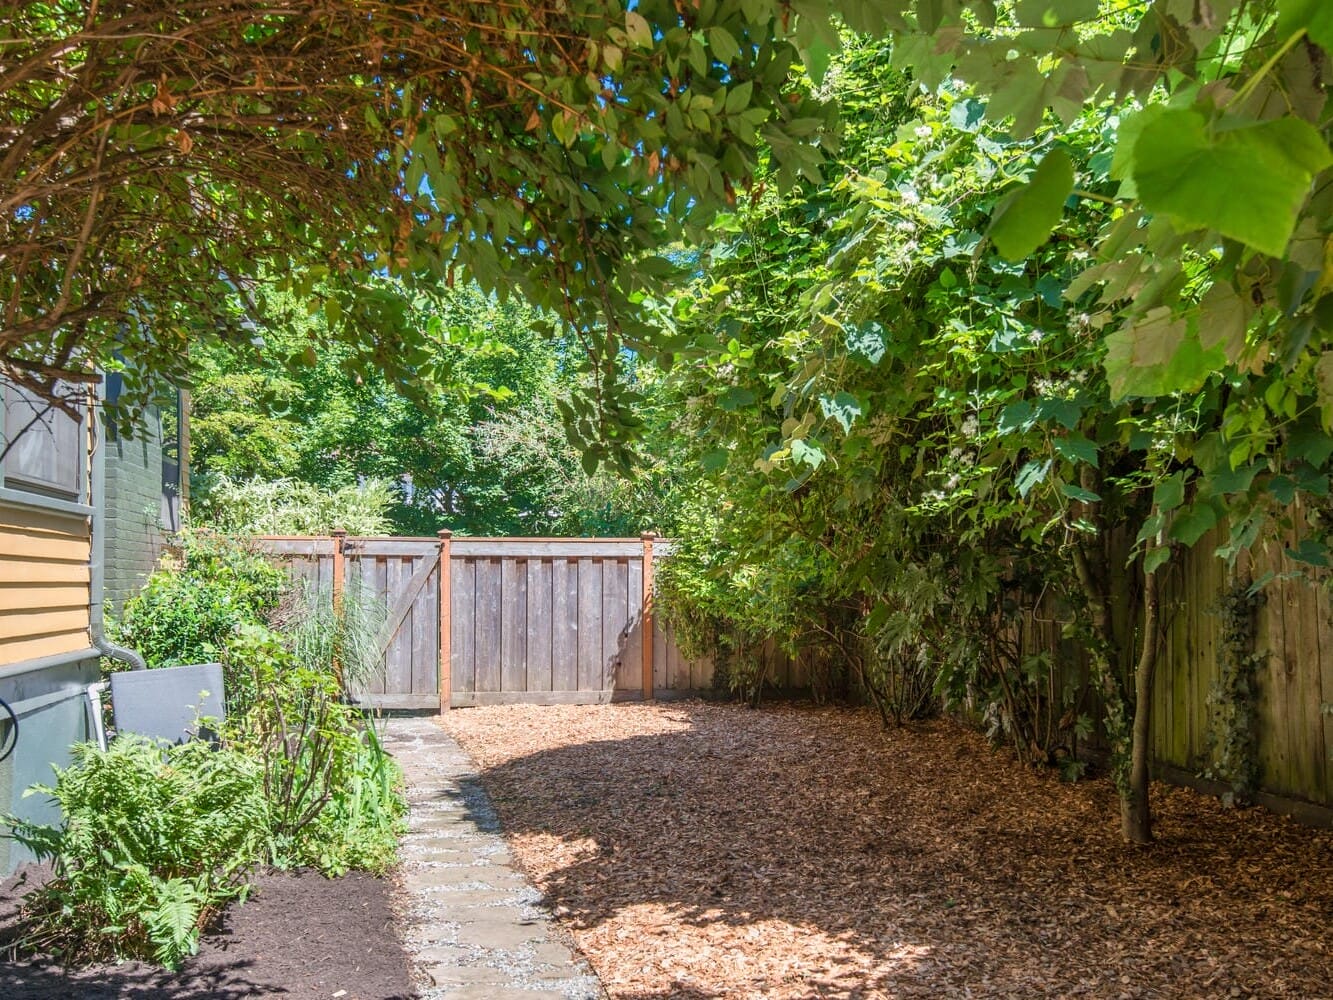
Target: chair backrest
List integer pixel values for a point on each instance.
(166, 703)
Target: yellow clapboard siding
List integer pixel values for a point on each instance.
(31, 648)
(43, 521)
(22, 625)
(40, 572)
(43, 545)
(26, 597)
(35, 534)
(44, 578)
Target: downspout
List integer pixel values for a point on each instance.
(96, 567)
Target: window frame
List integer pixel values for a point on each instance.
(39, 493)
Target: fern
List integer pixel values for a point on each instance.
(173, 921)
(155, 841)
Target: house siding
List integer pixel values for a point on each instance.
(134, 536)
(44, 579)
(44, 613)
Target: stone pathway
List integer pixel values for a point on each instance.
(475, 925)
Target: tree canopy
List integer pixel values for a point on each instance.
(483, 453)
(164, 165)
(167, 165)
(976, 379)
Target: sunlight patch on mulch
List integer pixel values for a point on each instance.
(698, 850)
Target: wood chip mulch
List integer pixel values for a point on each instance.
(698, 850)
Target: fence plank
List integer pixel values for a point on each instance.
(425, 631)
(396, 702)
(630, 676)
(660, 645)
(1309, 730)
(513, 625)
(296, 547)
(400, 547)
(590, 626)
(466, 699)
(564, 625)
(614, 577)
(1324, 616)
(399, 659)
(575, 548)
(463, 624)
(488, 596)
(539, 624)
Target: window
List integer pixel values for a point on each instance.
(47, 449)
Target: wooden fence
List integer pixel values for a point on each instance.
(510, 620)
(551, 621)
(1293, 683)
(1294, 635)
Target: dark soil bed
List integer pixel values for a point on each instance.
(701, 851)
(299, 936)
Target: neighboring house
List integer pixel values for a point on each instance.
(72, 504)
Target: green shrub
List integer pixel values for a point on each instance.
(198, 598)
(292, 507)
(359, 826)
(333, 794)
(252, 652)
(154, 842)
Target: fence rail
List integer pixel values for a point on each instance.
(485, 621)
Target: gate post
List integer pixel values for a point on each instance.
(646, 618)
(446, 627)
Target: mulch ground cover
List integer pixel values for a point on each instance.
(700, 851)
(299, 936)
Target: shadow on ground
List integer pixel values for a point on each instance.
(701, 850)
(300, 936)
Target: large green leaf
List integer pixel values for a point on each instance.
(1024, 219)
(1193, 522)
(1032, 474)
(1315, 16)
(1247, 182)
(1157, 355)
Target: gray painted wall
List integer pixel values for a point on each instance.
(53, 713)
(134, 533)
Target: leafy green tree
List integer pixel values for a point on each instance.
(483, 452)
(870, 378)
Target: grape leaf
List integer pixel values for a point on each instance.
(1247, 182)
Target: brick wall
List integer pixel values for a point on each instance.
(133, 510)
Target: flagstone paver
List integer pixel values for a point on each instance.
(476, 926)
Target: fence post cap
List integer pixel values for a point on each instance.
(444, 534)
(339, 532)
(648, 536)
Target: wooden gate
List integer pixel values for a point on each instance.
(511, 620)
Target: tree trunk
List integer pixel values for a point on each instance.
(1135, 811)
